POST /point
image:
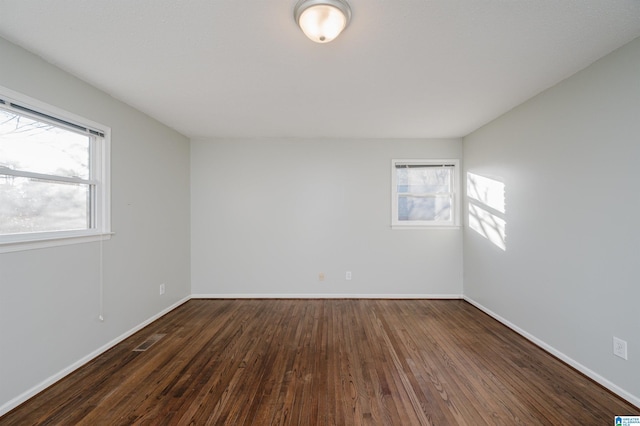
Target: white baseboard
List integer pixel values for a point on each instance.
(324, 296)
(13, 403)
(570, 361)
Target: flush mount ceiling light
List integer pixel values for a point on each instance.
(322, 20)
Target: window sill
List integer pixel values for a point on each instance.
(51, 240)
(423, 227)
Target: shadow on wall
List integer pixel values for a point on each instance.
(486, 198)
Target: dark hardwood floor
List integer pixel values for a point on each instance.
(324, 362)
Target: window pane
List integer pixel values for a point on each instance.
(39, 147)
(421, 180)
(30, 205)
(424, 208)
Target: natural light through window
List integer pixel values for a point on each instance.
(487, 208)
(42, 203)
(53, 176)
(424, 193)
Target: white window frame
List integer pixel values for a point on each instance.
(100, 227)
(454, 223)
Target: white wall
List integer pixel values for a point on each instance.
(569, 160)
(269, 215)
(49, 298)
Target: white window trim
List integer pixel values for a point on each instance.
(100, 169)
(456, 208)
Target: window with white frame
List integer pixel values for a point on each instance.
(425, 193)
(54, 180)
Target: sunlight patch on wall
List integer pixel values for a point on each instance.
(487, 208)
(489, 192)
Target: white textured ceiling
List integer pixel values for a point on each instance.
(403, 68)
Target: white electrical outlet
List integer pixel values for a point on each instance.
(620, 348)
(347, 276)
(161, 289)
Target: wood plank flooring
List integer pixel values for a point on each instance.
(324, 362)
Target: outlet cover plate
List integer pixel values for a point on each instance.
(620, 348)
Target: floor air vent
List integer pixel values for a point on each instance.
(149, 342)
